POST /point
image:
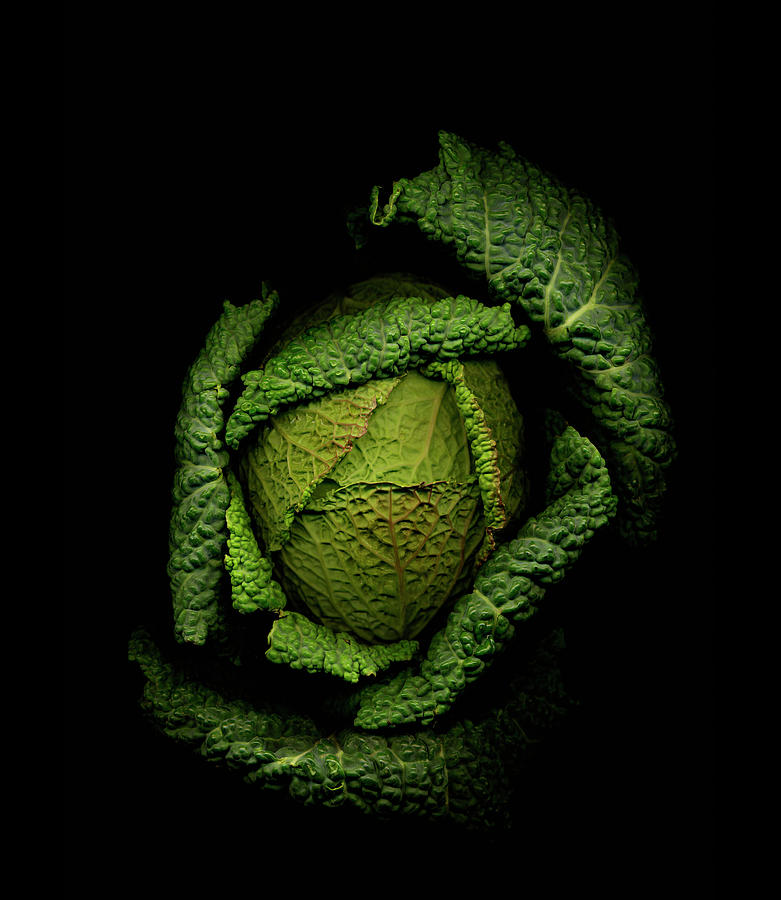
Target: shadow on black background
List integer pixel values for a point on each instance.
(195, 174)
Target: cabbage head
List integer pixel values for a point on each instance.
(380, 500)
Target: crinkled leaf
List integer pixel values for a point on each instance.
(382, 341)
(485, 453)
(461, 774)
(487, 384)
(299, 448)
(551, 251)
(303, 644)
(417, 437)
(379, 559)
(359, 296)
(200, 493)
(252, 586)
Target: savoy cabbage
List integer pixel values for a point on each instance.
(354, 502)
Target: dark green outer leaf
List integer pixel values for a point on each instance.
(551, 251)
(380, 342)
(200, 493)
(461, 773)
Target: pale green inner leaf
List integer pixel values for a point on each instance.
(380, 559)
(417, 437)
(300, 447)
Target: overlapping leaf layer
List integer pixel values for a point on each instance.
(550, 251)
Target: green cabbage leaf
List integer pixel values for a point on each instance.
(461, 773)
(379, 342)
(201, 495)
(545, 248)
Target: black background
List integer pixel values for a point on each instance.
(205, 156)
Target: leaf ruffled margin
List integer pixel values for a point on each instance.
(507, 590)
(252, 587)
(481, 444)
(303, 644)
